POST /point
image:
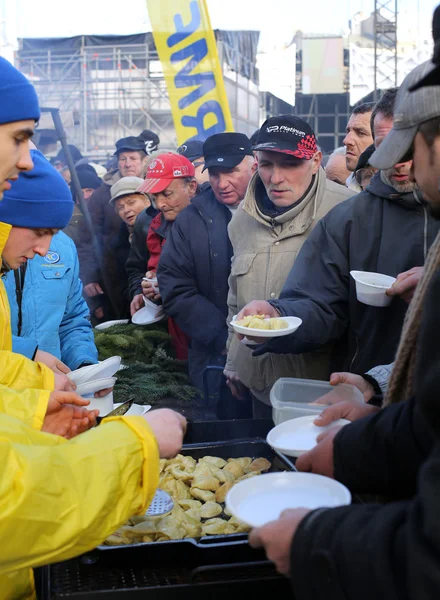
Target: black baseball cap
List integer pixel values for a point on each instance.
(191, 149)
(364, 158)
(287, 134)
(226, 150)
(130, 144)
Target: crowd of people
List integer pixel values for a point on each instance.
(224, 227)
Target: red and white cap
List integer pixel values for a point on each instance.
(163, 169)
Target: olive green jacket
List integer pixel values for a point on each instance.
(264, 252)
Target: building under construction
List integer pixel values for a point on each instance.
(114, 85)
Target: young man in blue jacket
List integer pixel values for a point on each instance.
(196, 260)
(48, 311)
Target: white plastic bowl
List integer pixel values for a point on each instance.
(298, 435)
(153, 281)
(151, 313)
(371, 288)
(102, 370)
(258, 500)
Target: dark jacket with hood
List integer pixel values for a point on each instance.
(193, 277)
(361, 552)
(136, 265)
(112, 234)
(378, 230)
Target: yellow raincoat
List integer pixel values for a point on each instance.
(16, 371)
(61, 498)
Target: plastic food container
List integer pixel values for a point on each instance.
(371, 288)
(291, 398)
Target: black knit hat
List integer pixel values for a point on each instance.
(87, 177)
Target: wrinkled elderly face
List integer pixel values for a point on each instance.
(14, 151)
(175, 197)
(358, 138)
(285, 177)
(230, 185)
(336, 169)
(23, 244)
(131, 164)
(128, 207)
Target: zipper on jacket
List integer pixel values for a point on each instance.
(355, 355)
(19, 275)
(425, 229)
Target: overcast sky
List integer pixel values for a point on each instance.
(276, 19)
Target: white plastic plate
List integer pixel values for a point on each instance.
(96, 385)
(298, 435)
(292, 325)
(136, 410)
(258, 500)
(107, 324)
(104, 369)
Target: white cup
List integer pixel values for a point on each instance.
(371, 288)
(153, 281)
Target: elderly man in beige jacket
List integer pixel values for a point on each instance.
(286, 197)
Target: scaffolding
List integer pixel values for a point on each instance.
(115, 87)
(385, 45)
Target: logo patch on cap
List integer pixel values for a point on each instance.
(220, 159)
(183, 148)
(181, 171)
(52, 257)
(156, 166)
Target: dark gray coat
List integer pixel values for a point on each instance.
(378, 230)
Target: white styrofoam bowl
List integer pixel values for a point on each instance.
(371, 288)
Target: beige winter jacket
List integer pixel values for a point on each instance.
(264, 252)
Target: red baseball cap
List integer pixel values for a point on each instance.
(163, 169)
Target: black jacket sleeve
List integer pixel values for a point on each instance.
(383, 453)
(195, 314)
(136, 265)
(317, 289)
(366, 552)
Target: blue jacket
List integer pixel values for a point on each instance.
(54, 315)
(193, 276)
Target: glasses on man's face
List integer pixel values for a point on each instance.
(363, 176)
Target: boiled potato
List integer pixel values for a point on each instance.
(210, 509)
(214, 460)
(235, 468)
(259, 464)
(188, 504)
(220, 494)
(204, 495)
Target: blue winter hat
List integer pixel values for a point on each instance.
(19, 100)
(40, 198)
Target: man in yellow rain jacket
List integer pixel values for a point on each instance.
(59, 498)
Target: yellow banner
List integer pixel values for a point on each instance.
(188, 52)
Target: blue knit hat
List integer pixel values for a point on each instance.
(38, 199)
(19, 100)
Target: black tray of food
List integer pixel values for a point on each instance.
(199, 549)
(237, 429)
